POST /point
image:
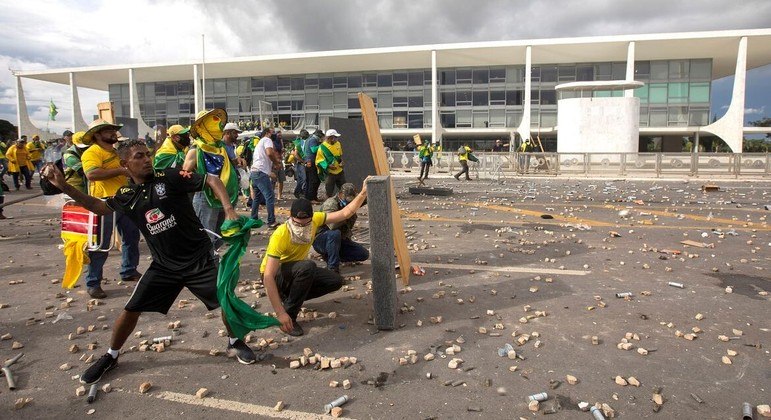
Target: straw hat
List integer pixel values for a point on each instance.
(202, 116)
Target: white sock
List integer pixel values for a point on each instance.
(113, 353)
(232, 340)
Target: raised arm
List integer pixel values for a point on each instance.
(191, 162)
(218, 188)
(346, 212)
(93, 204)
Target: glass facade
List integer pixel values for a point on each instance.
(676, 93)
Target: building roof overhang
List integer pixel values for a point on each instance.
(720, 46)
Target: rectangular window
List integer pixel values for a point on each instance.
(415, 120)
(325, 101)
(602, 71)
(678, 69)
(481, 76)
(325, 82)
(416, 78)
(115, 92)
(513, 118)
(400, 79)
(658, 117)
(447, 98)
(498, 75)
(699, 92)
(243, 86)
(514, 97)
(385, 120)
(312, 98)
(548, 119)
(384, 80)
(566, 73)
(416, 101)
(298, 83)
(257, 85)
(400, 119)
(678, 115)
(354, 81)
(447, 119)
(463, 98)
(220, 87)
(481, 119)
(585, 73)
(535, 74)
(271, 84)
(463, 118)
(244, 105)
(232, 86)
(340, 98)
(548, 97)
(497, 118)
(678, 92)
(659, 70)
(497, 97)
(427, 119)
(535, 97)
(699, 117)
(642, 70)
(447, 77)
(657, 93)
(642, 93)
(339, 82)
(311, 82)
(515, 74)
(400, 101)
(480, 98)
(427, 78)
(369, 79)
(548, 74)
(643, 116)
(297, 105)
(385, 100)
(463, 76)
(701, 69)
(353, 103)
(186, 88)
(618, 71)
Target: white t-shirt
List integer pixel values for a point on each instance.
(260, 160)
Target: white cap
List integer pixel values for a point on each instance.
(231, 126)
(332, 133)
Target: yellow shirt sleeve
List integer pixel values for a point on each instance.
(91, 160)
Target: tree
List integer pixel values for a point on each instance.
(8, 130)
(765, 122)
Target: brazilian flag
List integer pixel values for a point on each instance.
(52, 110)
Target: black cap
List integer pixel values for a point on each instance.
(66, 133)
(301, 209)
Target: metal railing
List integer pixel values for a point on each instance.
(645, 165)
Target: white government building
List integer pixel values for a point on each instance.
(623, 93)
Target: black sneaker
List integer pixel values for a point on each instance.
(94, 373)
(243, 353)
(96, 292)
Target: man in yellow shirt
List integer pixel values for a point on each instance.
(463, 153)
(329, 161)
(289, 277)
(105, 176)
(36, 149)
(19, 163)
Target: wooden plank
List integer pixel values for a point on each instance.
(369, 115)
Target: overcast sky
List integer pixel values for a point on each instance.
(57, 33)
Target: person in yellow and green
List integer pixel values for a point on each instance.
(172, 152)
(73, 164)
(329, 161)
(3, 160)
(209, 156)
(463, 156)
(425, 153)
(36, 149)
(19, 164)
(106, 176)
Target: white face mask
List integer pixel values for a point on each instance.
(299, 234)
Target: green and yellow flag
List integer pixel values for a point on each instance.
(52, 111)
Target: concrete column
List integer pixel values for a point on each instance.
(26, 127)
(435, 123)
(132, 95)
(78, 124)
(383, 260)
(730, 127)
(629, 68)
(524, 126)
(196, 90)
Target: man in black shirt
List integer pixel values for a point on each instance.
(158, 203)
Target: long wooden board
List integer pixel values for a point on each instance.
(369, 115)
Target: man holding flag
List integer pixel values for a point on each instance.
(329, 160)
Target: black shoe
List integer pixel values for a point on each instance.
(297, 330)
(456, 177)
(243, 353)
(335, 269)
(96, 292)
(94, 373)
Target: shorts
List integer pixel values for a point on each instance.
(281, 175)
(158, 288)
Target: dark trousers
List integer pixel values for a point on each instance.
(336, 249)
(298, 281)
(333, 182)
(312, 183)
(463, 170)
(424, 167)
(25, 172)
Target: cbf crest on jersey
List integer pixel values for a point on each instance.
(160, 189)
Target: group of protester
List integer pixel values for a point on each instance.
(149, 192)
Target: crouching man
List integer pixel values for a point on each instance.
(158, 204)
(289, 277)
(333, 240)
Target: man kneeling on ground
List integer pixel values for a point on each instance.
(289, 277)
(333, 240)
(158, 204)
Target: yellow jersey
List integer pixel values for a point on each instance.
(281, 246)
(96, 157)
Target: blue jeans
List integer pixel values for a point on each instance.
(336, 249)
(130, 259)
(210, 218)
(299, 177)
(263, 189)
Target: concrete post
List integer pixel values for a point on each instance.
(435, 123)
(382, 243)
(196, 90)
(629, 68)
(524, 125)
(78, 124)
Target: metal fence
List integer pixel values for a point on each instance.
(648, 165)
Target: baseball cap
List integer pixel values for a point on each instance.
(301, 209)
(332, 133)
(67, 133)
(232, 126)
(349, 191)
(177, 129)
